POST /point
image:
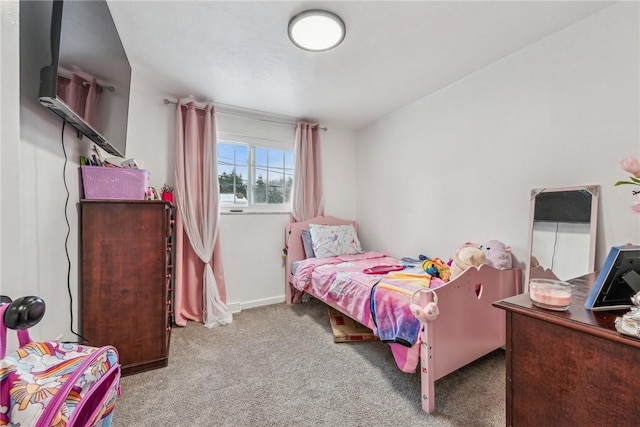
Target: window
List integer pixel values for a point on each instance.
(255, 176)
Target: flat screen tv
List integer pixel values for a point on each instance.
(563, 206)
(87, 82)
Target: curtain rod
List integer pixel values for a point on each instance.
(246, 116)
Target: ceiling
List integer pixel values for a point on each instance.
(237, 53)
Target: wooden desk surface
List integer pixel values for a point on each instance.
(594, 322)
(569, 368)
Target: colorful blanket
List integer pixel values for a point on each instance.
(390, 300)
(380, 302)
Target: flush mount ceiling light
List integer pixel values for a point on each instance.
(316, 30)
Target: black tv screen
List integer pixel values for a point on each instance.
(88, 79)
(563, 206)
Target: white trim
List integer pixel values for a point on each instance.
(246, 210)
(255, 213)
(231, 138)
(255, 303)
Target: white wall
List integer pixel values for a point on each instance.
(9, 151)
(459, 165)
(252, 243)
(34, 258)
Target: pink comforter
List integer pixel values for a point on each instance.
(342, 282)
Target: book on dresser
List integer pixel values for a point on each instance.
(126, 281)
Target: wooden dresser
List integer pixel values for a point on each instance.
(569, 368)
(126, 283)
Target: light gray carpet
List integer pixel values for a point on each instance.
(278, 366)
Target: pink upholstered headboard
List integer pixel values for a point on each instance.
(293, 239)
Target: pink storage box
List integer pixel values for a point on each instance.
(114, 183)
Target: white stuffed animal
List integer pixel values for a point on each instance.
(497, 254)
(465, 257)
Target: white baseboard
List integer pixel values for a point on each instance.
(237, 307)
(234, 307)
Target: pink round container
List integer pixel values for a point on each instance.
(550, 294)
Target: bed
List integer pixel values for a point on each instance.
(467, 327)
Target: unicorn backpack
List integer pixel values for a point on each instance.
(47, 384)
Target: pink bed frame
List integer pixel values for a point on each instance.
(467, 328)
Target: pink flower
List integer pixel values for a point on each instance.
(632, 166)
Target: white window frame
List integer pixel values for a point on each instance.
(251, 143)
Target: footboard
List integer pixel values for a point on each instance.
(468, 326)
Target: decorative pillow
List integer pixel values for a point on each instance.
(308, 245)
(334, 240)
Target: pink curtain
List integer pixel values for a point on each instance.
(91, 101)
(81, 94)
(199, 291)
(308, 199)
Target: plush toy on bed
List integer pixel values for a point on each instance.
(466, 257)
(437, 268)
(497, 254)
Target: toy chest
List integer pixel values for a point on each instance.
(114, 183)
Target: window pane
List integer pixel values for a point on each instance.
(276, 157)
(289, 161)
(230, 155)
(288, 183)
(259, 192)
(233, 173)
(273, 177)
(254, 175)
(261, 156)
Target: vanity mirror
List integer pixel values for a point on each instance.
(562, 232)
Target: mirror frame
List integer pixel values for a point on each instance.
(594, 190)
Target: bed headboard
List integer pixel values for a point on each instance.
(293, 239)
